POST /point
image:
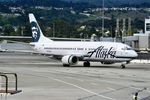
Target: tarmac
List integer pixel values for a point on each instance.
(42, 78)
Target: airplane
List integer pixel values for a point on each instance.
(71, 52)
(1, 49)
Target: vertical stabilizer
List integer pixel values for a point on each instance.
(37, 35)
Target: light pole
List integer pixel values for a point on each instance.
(53, 29)
(103, 21)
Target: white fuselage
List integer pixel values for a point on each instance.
(108, 51)
(72, 51)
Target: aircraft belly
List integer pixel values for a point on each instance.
(108, 59)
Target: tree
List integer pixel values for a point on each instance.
(8, 30)
(27, 30)
(19, 31)
(62, 28)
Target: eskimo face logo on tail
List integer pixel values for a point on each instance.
(35, 32)
(102, 52)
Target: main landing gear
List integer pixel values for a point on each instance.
(66, 65)
(86, 64)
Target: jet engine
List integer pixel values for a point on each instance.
(69, 60)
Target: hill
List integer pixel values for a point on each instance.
(112, 3)
(7, 0)
(69, 3)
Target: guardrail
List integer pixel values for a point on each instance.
(7, 90)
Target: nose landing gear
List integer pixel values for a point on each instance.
(123, 66)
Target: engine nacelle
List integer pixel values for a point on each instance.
(69, 60)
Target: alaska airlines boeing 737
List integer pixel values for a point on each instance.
(72, 52)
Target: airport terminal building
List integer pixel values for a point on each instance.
(140, 41)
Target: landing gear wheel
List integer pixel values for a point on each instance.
(123, 66)
(86, 64)
(66, 65)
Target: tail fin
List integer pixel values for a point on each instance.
(37, 34)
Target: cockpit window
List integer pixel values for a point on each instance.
(126, 48)
(129, 48)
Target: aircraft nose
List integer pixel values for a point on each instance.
(134, 54)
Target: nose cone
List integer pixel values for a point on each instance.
(134, 54)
